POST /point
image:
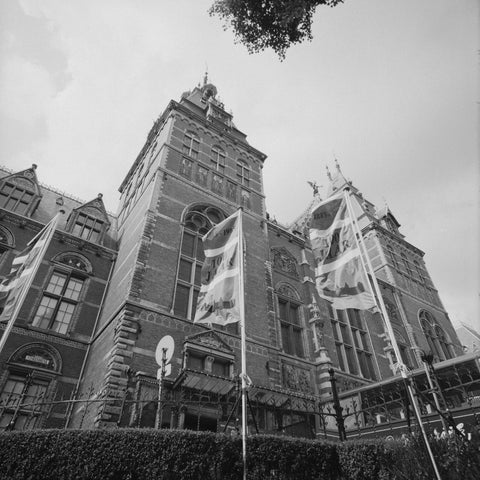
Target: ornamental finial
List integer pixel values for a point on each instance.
(329, 175)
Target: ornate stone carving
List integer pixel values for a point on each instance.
(38, 355)
(283, 260)
(6, 237)
(23, 182)
(287, 291)
(314, 309)
(210, 340)
(297, 379)
(392, 311)
(76, 261)
(92, 210)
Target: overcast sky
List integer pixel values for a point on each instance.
(388, 87)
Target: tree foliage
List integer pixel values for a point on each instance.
(262, 24)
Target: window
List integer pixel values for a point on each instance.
(88, 228)
(200, 362)
(58, 302)
(218, 159)
(420, 272)
(191, 144)
(437, 340)
(290, 326)
(18, 399)
(6, 243)
(392, 256)
(408, 269)
(29, 373)
(16, 198)
(443, 341)
(197, 223)
(352, 344)
(404, 348)
(243, 173)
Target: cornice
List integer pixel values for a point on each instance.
(281, 231)
(46, 337)
(376, 226)
(217, 128)
(26, 223)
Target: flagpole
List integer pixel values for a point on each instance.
(388, 324)
(242, 342)
(26, 286)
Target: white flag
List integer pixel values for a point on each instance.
(339, 274)
(24, 268)
(219, 296)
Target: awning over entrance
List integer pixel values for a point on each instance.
(205, 383)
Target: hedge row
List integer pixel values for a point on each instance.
(184, 455)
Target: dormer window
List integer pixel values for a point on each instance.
(16, 199)
(89, 221)
(88, 228)
(20, 192)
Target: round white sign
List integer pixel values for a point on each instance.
(167, 344)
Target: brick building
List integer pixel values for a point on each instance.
(111, 286)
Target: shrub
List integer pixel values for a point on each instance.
(127, 454)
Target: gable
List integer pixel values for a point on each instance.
(208, 342)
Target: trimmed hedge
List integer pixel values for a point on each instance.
(128, 454)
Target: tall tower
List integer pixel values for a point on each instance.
(195, 169)
(358, 342)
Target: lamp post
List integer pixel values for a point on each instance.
(427, 359)
(337, 407)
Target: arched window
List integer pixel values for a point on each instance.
(75, 261)
(444, 342)
(191, 144)
(243, 173)
(437, 340)
(291, 324)
(404, 348)
(6, 243)
(218, 159)
(198, 221)
(30, 371)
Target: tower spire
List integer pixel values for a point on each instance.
(329, 175)
(205, 78)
